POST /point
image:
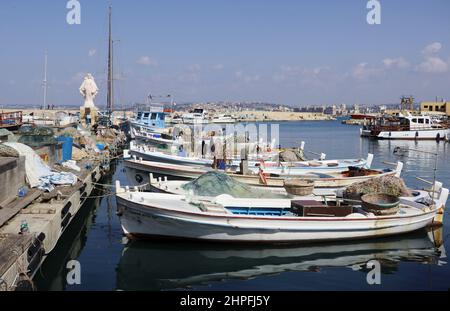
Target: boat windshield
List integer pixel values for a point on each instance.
(213, 184)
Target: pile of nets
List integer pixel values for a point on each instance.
(292, 156)
(213, 184)
(6, 151)
(37, 136)
(387, 184)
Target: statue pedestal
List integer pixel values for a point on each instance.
(88, 115)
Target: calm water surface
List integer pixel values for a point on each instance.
(408, 262)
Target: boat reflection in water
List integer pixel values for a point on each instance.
(160, 265)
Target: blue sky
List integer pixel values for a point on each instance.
(289, 52)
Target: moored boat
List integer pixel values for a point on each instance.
(230, 219)
(405, 127)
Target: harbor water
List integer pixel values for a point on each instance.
(408, 262)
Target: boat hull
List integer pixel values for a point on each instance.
(433, 134)
(140, 220)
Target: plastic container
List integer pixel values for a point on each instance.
(66, 147)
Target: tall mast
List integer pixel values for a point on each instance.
(110, 95)
(44, 82)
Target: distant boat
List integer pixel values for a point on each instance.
(360, 116)
(11, 121)
(229, 219)
(405, 127)
(198, 116)
(224, 119)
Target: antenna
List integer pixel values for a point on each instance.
(110, 99)
(398, 151)
(45, 82)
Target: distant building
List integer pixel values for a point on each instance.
(442, 107)
(330, 110)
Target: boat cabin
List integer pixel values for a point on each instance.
(403, 123)
(151, 115)
(416, 122)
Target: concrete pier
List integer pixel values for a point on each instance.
(46, 217)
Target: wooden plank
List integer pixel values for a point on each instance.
(9, 211)
(11, 247)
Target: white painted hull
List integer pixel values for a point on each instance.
(148, 220)
(433, 134)
(270, 167)
(144, 168)
(134, 168)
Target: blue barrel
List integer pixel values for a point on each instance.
(66, 147)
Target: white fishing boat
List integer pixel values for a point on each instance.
(256, 162)
(300, 168)
(405, 127)
(229, 219)
(156, 138)
(223, 119)
(198, 116)
(224, 182)
(181, 157)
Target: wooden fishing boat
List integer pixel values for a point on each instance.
(215, 183)
(138, 173)
(229, 219)
(310, 167)
(274, 168)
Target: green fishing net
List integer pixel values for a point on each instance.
(213, 184)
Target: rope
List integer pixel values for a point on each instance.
(99, 196)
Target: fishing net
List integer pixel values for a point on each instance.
(213, 184)
(6, 151)
(388, 185)
(292, 156)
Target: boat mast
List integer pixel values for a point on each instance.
(44, 82)
(110, 95)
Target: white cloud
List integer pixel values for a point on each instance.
(363, 71)
(432, 48)
(254, 78)
(194, 68)
(147, 61)
(218, 67)
(399, 63)
(433, 64)
(241, 76)
(92, 52)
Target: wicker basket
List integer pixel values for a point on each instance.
(380, 204)
(299, 186)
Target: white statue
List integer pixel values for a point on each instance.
(89, 90)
